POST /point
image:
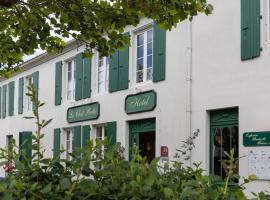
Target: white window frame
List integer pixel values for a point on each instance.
(28, 103)
(145, 42)
(70, 132)
(268, 23)
(72, 82)
(105, 70)
(101, 127)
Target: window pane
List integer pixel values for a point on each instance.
(140, 40)
(139, 76)
(140, 64)
(149, 61)
(140, 52)
(149, 74)
(149, 48)
(149, 36)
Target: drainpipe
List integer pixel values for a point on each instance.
(189, 84)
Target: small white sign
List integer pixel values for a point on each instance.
(259, 164)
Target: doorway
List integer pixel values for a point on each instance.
(223, 137)
(142, 136)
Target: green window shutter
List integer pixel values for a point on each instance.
(78, 76)
(123, 59)
(25, 142)
(58, 84)
(86, 90)
(250, 29)
(159, 54)
(56, 143)
(0, 102)
(111, 132)
(20, 95)
(4, 98)
(11, 86)
(36, 84)
(36, 81)
(85, 135)
(113, 72)
(77, 139)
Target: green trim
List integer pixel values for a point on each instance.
(137, 127)
(56, 143)
(220, 119)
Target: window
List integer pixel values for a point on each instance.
(144, 56)
(70, 80)
(69, 143)
(100, 135)
(28, 102)
(103, 74)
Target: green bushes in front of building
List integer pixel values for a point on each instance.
(98, 173)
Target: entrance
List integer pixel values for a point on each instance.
(142, 136)
(223, 137)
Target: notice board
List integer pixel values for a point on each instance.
(259, 164)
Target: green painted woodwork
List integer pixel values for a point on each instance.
(250, 29)
(4, 98)
(78, 76)
(123, 77)
(11, 93)
(86, 90)
(84, 112)
(56, 143)
(111, 129)
(58, 84)
(20, 95)
(77, 142)
(36, 82)
(224, 118)
(256, 139)
(119, 70)
(159, 54)
(0, 102)
(137, 127)
(113, 72)
(25, 142)
(85, 135)
(141, 102)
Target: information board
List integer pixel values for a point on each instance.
(259, 164)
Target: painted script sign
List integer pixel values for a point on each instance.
(141, 102)
(83, 112)
(252, 139)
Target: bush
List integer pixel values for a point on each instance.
(93, 174)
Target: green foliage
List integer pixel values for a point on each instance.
(28, 25)
(97, 174)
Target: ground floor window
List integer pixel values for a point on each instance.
(223, 137)
(142, 135)
(69, 140)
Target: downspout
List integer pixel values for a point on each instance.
(189, 84)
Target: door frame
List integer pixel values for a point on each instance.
(140, 126)
(221, 118)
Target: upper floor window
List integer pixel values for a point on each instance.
(103, 74)
(144, 56)
(28, 102)
(70, 80)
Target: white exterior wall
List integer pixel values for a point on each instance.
(219, 80)
(222, 80)
(169, 112)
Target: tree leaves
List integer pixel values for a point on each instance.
(30, 25)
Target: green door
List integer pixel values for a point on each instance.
(223, 137)
(136, 128)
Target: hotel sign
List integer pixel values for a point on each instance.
(252, 139)
(83, 112)
(141, 102)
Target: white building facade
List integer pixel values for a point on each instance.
(210, 74)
